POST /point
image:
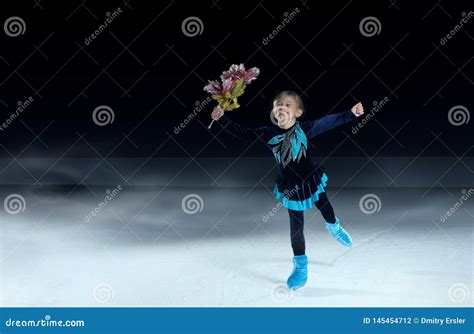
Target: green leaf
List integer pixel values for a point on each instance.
(238, 89)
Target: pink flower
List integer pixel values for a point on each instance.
(228, 85)
(213, 87)
(237, 72)
(232, 86)
(251, 74)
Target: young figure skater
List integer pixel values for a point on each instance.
(301, 182)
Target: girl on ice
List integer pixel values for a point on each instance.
(301, 182)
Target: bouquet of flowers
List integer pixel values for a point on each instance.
(232, 85)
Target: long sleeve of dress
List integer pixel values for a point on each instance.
(326, 123)
(239, 131)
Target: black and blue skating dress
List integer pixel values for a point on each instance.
(300, 179)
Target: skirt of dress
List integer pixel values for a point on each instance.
(300, 195)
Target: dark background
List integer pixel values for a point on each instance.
(151, 75)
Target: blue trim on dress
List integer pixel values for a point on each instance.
(297, 143)
(304, 204)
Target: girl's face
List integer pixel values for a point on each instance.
(285, 111)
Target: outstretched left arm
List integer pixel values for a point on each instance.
(329, 122)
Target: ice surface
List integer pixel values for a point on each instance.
(142, 249)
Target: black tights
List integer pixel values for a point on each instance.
(297, 223)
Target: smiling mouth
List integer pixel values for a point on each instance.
(282, 117)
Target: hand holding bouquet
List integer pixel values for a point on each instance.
(232, 85)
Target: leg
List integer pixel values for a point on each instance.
(296, 232)
(333, 225)
(326, 208)
(299, 275)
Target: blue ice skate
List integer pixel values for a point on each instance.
(338, 233)
(299, 276)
